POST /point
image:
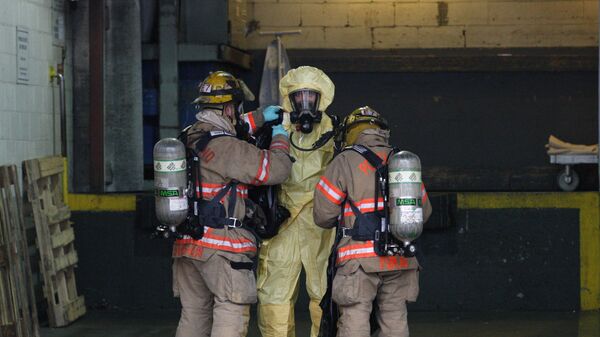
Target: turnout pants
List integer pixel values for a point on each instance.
(354, 291)
(215, 298)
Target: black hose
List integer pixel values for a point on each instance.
(317, 145)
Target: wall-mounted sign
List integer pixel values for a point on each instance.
(22, 55)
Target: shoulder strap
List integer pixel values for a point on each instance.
(355, 209)
(231, 187)
(369, 155)
(206, 137)
(380, 167)
(223, 192)
(193, 156)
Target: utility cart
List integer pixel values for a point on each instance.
(568, 179)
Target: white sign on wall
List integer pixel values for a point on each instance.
(22, 55)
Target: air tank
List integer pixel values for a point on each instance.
(170, 182)
(405, 196)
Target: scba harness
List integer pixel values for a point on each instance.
(211, 213)
(375, 225)
(368, 226)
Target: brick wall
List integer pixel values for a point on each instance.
(238, 19)
(384, 24)
(28, 111)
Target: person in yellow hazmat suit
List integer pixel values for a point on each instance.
(305, 93)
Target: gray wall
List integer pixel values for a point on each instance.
(122, 97)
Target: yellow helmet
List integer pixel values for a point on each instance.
(359, 120)
(221, 87)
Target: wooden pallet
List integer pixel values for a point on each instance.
(55, 239)
(18, 312)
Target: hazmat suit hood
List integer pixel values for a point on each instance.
(306, 77)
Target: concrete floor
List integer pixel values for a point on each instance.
(422, 324)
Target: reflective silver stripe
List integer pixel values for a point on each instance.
(330, 191)
(263, 168)
(243, 190)
(344, 254)
(220, 132)
(367, 205)
(356, 252)
(226, 243)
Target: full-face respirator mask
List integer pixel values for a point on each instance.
(305, 105)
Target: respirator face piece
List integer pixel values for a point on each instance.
(305, 105)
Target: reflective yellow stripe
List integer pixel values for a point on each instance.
(588, 204)
(96, 202)
(102, 202)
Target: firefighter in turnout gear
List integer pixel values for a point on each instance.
(306, 92)
(213, 276)
(363, 276)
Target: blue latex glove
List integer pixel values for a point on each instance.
(271, 113)
(279, 130)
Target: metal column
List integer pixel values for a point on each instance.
(96, 119)
(169, 120)
(123, 145)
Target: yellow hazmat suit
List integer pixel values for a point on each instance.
(300, 243)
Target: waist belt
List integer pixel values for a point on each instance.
(212, 213)
(356, 232)
(220, 223)
(366, 225)
(348, 232)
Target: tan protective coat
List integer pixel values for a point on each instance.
(215, 296)
(362, 276)
(354, 178)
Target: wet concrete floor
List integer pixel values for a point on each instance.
(422, 324)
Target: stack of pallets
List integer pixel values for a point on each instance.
(18, 313)
(55, 239)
